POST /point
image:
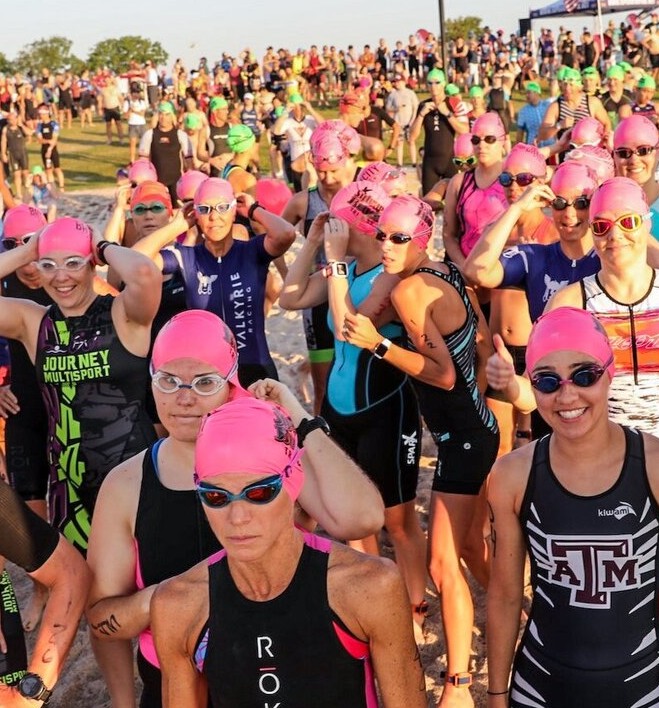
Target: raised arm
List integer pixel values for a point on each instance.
(279, 233)
(336, 493)
(153, 243)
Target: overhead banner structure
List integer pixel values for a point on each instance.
(567, 8)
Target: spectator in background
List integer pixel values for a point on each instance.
(529, 118)
(47, 132)
(402, 105)
(152, 87)
(112, 102)
(134, 109)
(14, 151)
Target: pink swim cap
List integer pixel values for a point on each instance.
(328, 152)
(587, 131)
(392, 179)
(635, 130)
(250, 436)
(273, 194)
(525, 158)
(360, 205)
(597, 159)
(348, 136)
(462, 146)
(188, 183)
(409, 215)
(489, 124)
(201, 335)
(142, 170)
(619, 195)
(573, 174)
(214, 188)
(66, 234)
(569, 329)
(21, 220)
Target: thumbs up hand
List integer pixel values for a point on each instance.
(499, 369)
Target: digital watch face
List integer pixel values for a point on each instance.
(31, 686)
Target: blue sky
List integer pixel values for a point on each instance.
(208, 27)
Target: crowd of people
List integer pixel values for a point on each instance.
(163, 481)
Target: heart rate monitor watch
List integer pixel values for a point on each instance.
(308, 425)
(382, 348)
(32, 686)
(338, 269)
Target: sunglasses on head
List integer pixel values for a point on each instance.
(627, 223)
(141, 209)
(583, 377)
(465, 161)
(489, 139)
(11, 243)
(580, 203)
(397, 238)
(262, 492)
(626, 153)
(71, 264)
(204, 385)
(523, 179)
(222, 208)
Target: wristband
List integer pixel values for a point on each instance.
(308, 425)
(524, 434)
(496, 693)
(100, 249)
(381, 348)
(252, 209)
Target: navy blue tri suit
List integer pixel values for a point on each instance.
(371, 407)
(543, 270)
(591, 637)
(26, 432)
(463, 427)
(233, 287)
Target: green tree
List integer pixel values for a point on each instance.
(6, 66)
(461, 26)
(52, 53)
(118, 53)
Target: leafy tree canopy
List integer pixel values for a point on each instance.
(461, 26)
(118, 53)
(53, 53)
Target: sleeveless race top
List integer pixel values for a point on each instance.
(292, 650)
(94, 390)
(593, 566)
(357, 379)
(633, 331)
(166, 155)
(463, 407)
(476, 208)
(171, 534)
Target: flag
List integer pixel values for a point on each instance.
(571, 5)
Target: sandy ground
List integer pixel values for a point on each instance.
(81, 685)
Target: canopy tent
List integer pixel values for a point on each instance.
(559, 8)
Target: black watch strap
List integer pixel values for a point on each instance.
(32, 686)
(308, 425)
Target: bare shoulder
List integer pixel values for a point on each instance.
(124, 480)
(651, 449)
(510, 473)
(569, 296)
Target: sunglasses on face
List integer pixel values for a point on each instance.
(523, 179)
(583, 377)
(262, 492)
(627, 223)
(141, 209)
(561, 204)
(70, 265)
(11, 243)
(398, 238)
(206, 209)
(205, 385)
(465, 161)
(626, 153)
(489, 139)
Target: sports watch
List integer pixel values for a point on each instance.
(337, 269)
(32, 686)
(382, 348)
(308, 425)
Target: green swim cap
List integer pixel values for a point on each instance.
(573, 76)
(646, 82)
(166, 107)
(561, 73)
(436, 75)
(192, 121)
(37, 170)
(296, 98)
(616, 72)
(625, 65)
(218, 102)
(279, 111)
(476, 92)
(534, 87)
(452, 90)
(589, 71)
(240, 138)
